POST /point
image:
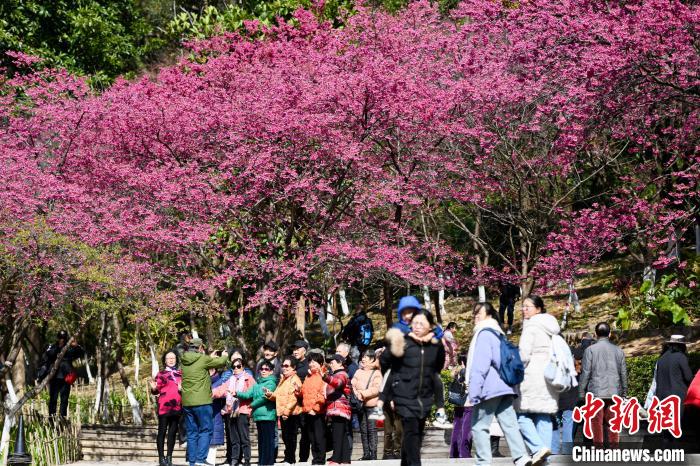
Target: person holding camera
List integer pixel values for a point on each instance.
(65, 376)
(197, 399)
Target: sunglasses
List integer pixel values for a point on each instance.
(265, 369)
(286, 365)
(237, 366)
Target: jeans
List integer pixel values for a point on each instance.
(461, 442)
(536, 429)
(563, 433)
(413, 431)
(482, 414)
(58, 388)
(368, 433)
(199, 423)
(601, 426)
(266, 442)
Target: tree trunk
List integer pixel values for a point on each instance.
(343, 302)
(137, 358)
(9, 421)
(119, 357)
(441, 303)
(482, 294)
(329, 309)
(209, 330)
(91, 379)
(34, 348)
(435, 299)
(99, 349)
(18, 332)
(388, 304)
(19, 373)
(527, 285)
(300, 316)
(426, 297)
(193, 329)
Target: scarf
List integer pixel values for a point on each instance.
(173, 372)
(237, 382)
(484, 324)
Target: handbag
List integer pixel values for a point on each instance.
(457, 391)
(355, 403)
(70, 377)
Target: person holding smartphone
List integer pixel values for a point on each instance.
(264, 412)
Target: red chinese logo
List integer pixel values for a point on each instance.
(665, 415)
(587, 412)
(625, 414)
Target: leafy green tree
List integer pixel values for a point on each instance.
(101, 38)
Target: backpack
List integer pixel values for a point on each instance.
(457, 392)
(560, 372)
(512, 369)
(365, 333)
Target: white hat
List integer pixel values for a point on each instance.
(677, 339)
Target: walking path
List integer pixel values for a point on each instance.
(558, 460)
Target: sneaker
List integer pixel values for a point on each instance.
(523, 461)
(376, 415)
(441, 421)
(541, 456)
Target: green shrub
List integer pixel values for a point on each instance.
(640, 370)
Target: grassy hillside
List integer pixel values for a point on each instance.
(598, 303)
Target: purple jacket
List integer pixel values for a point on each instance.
(484, 381)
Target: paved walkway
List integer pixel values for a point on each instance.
(558, 460)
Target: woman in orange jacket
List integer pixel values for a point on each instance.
(313, 393)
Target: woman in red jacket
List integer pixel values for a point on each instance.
(338, 409)
(167, 385)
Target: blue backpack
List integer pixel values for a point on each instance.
(512, 370)
(366, 333)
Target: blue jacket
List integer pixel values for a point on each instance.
(484, 381)
(218, 434)
(411, 302)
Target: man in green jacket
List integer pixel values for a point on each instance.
(196, 399)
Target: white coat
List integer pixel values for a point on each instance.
(535, 394)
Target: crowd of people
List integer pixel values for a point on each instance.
(309, 401)
(536, 415)
(305, 402)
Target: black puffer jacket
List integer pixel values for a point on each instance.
(414, 370)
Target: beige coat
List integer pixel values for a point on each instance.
(365, 389)
(535, 394)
